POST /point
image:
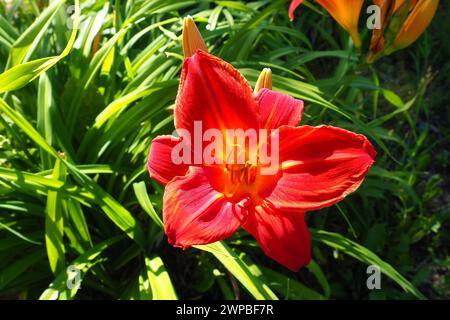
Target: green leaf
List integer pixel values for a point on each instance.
(241, 270)
(54, 223)
(363, 254)
(155, 283)
(317, 271)
(140, 191)
(22, 74)
(28, 41)
(117, 105)
(45, 108)
(79, 223)
(7, 32)
(29, 180)
(290, 288)
(58, 289)
(18, 234)
(88, 76)
(23, 124)
(20, 266)
(113, 209)
(393, 98)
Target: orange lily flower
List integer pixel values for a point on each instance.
(402, 22)
(345, 12)
(415, 24)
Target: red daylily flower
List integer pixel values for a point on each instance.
(319, 166)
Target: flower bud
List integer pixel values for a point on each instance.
(192, 38)
(264, 80)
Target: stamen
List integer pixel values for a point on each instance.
(239, 170)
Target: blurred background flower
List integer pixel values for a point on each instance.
(401, 22)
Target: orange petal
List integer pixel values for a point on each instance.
(346, 13)
(416, 23)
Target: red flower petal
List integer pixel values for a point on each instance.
(283, 236)
(294, 4)
(320, 166)
(160, 164)
(195, 213)
(277, 109)
(213, 92)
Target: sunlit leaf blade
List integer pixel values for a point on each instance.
(22, 123)
(22, 74)
(255, 285)
(24, 46)
(155, 283)
(45, 109)
(141, 194)
(54, 223)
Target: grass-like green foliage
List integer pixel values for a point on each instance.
(81, 99)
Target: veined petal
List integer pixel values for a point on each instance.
(277, 109)
(159, 164)
(195, 213)
(294, 4)
(213, 92)
(283, 237)
(320, 166)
